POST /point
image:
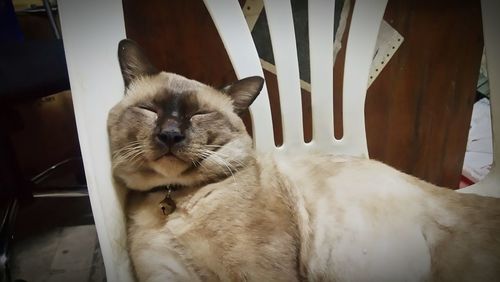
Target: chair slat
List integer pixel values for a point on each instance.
(91, 32)
(321, 20)
(281, 28)
(490, 9)
(366, 18)
(236, 37)
(491, 22)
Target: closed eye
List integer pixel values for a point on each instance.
(203, 113)
(147, 108)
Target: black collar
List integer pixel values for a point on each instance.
(170, 187)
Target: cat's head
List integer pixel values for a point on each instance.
(172, 130)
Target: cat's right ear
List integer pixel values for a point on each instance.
(243, 92)
(133, 62)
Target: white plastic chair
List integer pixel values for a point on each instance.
(363, 32)
(490, 186)
(92, 30)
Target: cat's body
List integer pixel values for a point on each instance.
(321, 217)
(241, 216)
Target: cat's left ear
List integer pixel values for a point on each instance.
(133, 61)
(244, 91)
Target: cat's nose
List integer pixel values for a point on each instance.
(170, 137)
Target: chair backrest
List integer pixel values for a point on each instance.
(366, 19)
(490, 186)
(92, 30)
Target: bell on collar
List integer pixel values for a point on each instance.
(167, 205)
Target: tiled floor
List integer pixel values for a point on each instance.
(56, 241)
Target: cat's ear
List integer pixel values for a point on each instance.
(244, 91)
(133, 61)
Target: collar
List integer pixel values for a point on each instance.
(169, 188)
(167, 205)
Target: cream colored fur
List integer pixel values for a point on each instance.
(241, 216)
(318, 218)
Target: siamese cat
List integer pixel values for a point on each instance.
(204, 206)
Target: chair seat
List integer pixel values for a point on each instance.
(23, 69)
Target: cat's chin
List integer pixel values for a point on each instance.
(169, 161)
(168, 157)
(169, 165)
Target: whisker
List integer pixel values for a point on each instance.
(213, 146)
(242, 165)
(223, 162)
(206, 153)
(201, 164)
(131, 152)
(128, 147)
(220, 154)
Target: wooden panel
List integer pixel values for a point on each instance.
(181, 37)
(418, 110)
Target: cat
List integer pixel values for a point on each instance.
(204, 206)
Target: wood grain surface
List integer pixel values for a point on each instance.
(418, 110)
